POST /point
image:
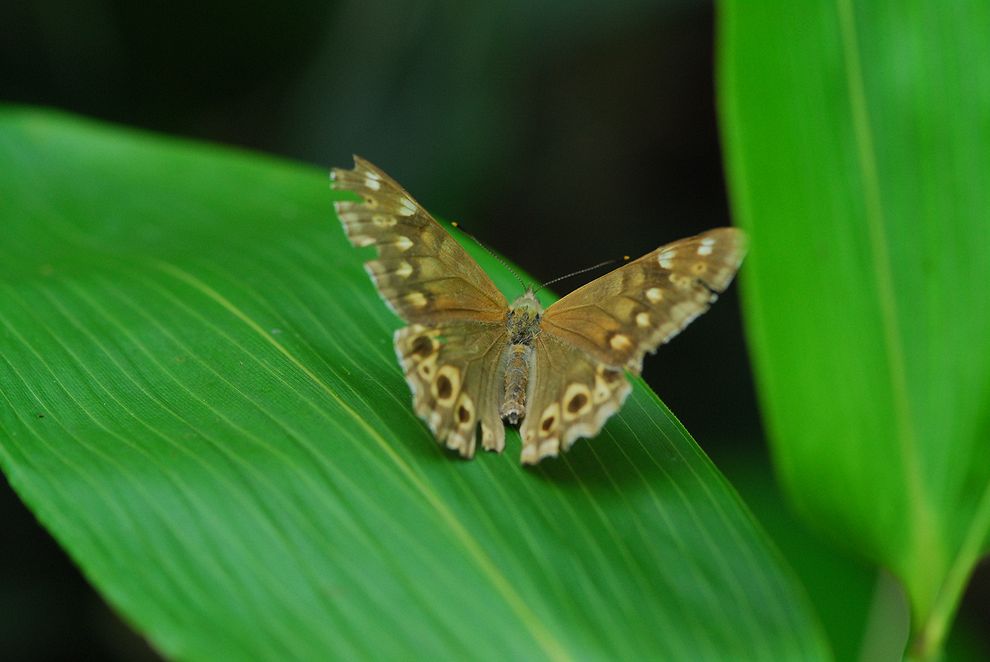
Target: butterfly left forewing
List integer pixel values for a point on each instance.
(421, 272)
(621, 316)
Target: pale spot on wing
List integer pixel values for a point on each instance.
(704, 249)
(403, 243)
(620, 342)
(406, 207)
(362, 240)
(708, 241)
(654, 294)
(602, 391)
(435, 420)
(373, 184)
(456, 442)
(549, 448)
(643, 320)
(405, 271)
(416, 299)
(665, 259)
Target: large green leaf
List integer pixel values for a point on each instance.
(201, 402)
(858, 147)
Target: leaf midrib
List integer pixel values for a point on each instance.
(937, 602)
(926, 541)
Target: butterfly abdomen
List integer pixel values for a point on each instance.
(522, 325)
(517, 369)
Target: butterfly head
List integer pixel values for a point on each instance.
(523, 320)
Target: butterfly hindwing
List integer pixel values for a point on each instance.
(422, 272)
(573, 396)
(631, 311)
(453, 371)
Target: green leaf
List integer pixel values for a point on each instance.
(858, 150)
(201, 402)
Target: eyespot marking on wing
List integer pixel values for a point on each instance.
(465, 411)
(549, 420)
(577, 401)
(446, 385)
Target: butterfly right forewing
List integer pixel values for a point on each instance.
(631, 311)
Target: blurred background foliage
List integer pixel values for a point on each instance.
(560, 133)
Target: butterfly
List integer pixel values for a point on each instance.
(472, 360)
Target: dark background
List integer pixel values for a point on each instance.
(560, 134)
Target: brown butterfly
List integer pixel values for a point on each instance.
(472, 359)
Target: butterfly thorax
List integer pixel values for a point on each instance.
(522, 326)
(523, 319)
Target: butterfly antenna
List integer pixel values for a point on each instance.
(490, 252)
(625, 258)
